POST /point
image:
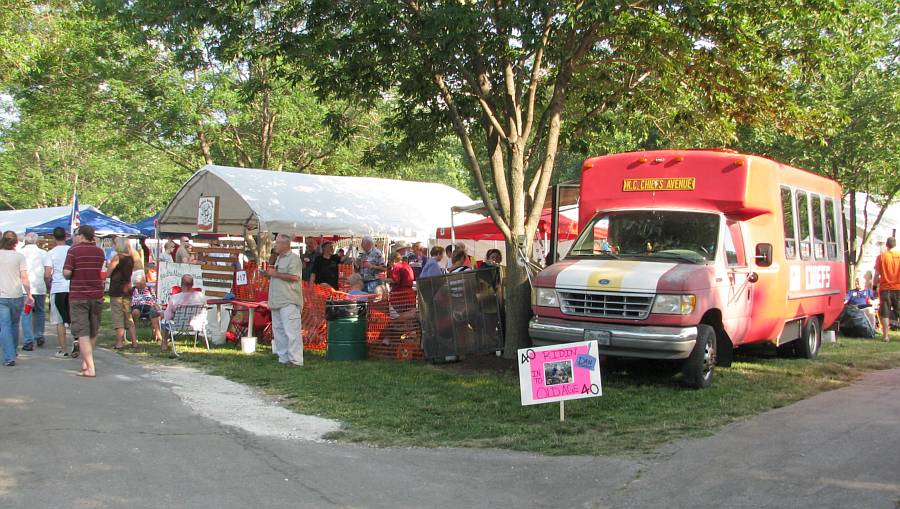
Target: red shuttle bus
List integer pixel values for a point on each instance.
(685, 254)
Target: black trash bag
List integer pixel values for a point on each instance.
(855, 323)
(336, 309)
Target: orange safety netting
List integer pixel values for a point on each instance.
(392, 328)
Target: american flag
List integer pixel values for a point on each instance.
(75, 217)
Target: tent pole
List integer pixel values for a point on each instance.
(452, 229)
(552, 253)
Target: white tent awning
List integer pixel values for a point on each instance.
(302, 204)
(19, 220)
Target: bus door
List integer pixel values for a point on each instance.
(739, 299)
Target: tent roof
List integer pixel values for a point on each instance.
(302, 204)
(103, 224)
(19, 220)
(485, 229)
(147, 226)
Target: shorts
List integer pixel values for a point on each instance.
(85, 317)
(59, 308)
(120, 312)
(890, 300)
(147, 311)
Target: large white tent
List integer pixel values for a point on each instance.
(302, 204)
(866, 213)
(19, 220)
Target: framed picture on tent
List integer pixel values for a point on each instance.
(208, 214)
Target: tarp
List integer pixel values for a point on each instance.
(19, 220)
(147, 226)
(485, 229)
(103, 224)
(302, 204)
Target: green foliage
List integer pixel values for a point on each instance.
(132, 100)
(842, 117)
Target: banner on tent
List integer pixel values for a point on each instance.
(208, 214)
(170, 276)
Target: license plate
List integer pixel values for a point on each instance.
(602, 337)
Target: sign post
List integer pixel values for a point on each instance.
(557, 373)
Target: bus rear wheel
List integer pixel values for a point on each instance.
(697, 369)
(810, 340)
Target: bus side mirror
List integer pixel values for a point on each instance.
(763, 255)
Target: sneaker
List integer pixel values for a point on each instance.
(75, 350)
(40, 342)
(61, 354)
(10, 363)
(28, 348)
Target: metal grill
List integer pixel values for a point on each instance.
(628, 306)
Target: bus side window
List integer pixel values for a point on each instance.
(831, 242)
(818, 231)
(803, 223)
(734, 245)
(790, 230)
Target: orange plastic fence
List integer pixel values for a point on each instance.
(393, 330)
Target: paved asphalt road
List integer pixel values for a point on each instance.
(126, 440)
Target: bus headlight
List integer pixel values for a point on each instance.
(674, 304)
(546, 297)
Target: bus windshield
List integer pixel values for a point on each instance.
(661, 235)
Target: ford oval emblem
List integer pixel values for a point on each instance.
(604, 281)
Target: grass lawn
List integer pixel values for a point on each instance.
(476, 403)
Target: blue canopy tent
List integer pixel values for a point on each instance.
(103, 224)
(147, 226)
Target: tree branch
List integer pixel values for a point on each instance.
(460, 129)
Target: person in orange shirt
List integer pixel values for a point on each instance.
(887, 279)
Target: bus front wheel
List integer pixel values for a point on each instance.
(697, 370)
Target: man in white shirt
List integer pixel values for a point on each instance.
(59, 290)
(40, 269)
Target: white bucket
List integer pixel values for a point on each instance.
(248, 344)
(829, 336)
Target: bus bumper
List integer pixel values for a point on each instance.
(618, 340)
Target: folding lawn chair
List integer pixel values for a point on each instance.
(189, 321)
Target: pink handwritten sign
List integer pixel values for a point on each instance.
(560, 372)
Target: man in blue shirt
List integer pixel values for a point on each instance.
(862, 298)
(434, 266)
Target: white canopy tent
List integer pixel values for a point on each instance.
(19, 220)
(866, 213)
(302, 204)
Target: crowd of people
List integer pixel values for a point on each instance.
(70, 280)
(67, 283)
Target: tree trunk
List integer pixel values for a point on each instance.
(851, 235)
(517, 297)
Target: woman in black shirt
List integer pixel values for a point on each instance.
(325, 268)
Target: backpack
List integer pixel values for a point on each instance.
(854, 323)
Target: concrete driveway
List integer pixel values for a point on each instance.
(128, 439)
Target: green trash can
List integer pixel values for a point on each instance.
(346, 337)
